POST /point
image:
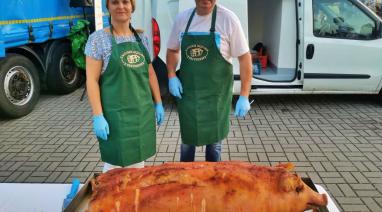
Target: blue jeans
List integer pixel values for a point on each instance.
(213, 152)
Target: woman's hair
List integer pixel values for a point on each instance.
(133, 9)
(131, 1)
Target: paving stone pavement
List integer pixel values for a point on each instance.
(335, 140)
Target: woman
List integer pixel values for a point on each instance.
(121, 83)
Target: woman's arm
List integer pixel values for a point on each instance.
(154, 85)
(93, 73)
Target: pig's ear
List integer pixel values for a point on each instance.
(290, 182)
(287, 166)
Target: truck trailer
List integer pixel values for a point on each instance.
(35, 52)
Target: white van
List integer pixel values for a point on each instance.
(313, 46)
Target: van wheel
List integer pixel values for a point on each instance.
(19, 86)
(379, 96)
(62, 74)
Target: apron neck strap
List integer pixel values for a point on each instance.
(135, 33)
(213, 20)
(113, 42)
(190, 20)
(131, 28)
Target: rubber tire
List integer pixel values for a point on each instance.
(7, 108)
(379, 96)
(55, 80)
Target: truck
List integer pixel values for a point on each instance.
(312, 46)
(35, 52)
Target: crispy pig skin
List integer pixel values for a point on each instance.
(204, 187)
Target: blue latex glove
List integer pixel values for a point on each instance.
(159, 113)
(100, 126)
(242, 107)
(175, 87)
(73, 191)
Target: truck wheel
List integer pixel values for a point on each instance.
(19, 86)
(62, 76)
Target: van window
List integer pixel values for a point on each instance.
(341, 19)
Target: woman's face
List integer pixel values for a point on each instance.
(120, 10)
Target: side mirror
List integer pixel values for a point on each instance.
(81, 3)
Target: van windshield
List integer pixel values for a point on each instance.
(341, 19)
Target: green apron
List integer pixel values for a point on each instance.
(127, 105)
(207, 80)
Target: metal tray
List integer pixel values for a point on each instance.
(310, 183)
(81, 200)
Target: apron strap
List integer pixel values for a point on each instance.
(190, 20)
(139, 40)
(213, 20)
(113, 42)
(135, 33)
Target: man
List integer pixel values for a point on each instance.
(207, 37)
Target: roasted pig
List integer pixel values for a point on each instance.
(204, 187)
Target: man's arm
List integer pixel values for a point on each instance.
(245, 74)
(172, 59)
(174, 84)
(243, 105)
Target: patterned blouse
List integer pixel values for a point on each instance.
(99, 45)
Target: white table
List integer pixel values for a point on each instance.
(20, 197)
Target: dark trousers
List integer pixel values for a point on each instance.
(213, 152)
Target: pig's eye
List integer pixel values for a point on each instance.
(299, 188)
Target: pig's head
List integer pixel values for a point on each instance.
(292, 189)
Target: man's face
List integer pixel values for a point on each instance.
(205, 4)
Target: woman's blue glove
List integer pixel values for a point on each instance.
(159, 113)
(175, 87)
(100, 126)
(242, 107)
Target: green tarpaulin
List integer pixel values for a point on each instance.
(79, 36)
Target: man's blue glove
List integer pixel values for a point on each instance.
(242, 107)
(159, 113)
(100, 126)
(175, 87)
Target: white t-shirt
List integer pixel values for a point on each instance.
(233, 41)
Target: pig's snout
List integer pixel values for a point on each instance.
(291, 183)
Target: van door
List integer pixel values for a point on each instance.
(343, 47)
(165, 13)
(141, 19)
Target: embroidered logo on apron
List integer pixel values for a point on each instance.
(132, 59)
(196, 52)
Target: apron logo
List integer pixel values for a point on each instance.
(133, 59)
(196, 52)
